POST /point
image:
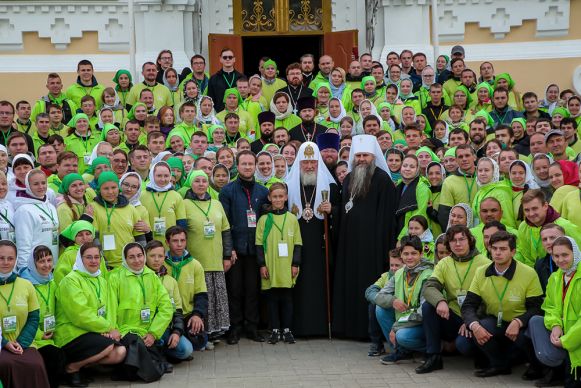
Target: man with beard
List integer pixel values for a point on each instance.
(295, 88)
(328, 143)
(490, 210)
(354, 75)
(308, 130)
(307, 180)
(478, 136)
(307, 62)
(367, 232)
(280, 136)
(161, 94)
(266, 122)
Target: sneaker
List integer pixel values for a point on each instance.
(397, 357)
(273, 339)
(288, 337)
(375, 350)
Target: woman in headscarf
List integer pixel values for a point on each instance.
(435, 173)
(551, 100)
(407, 96)
(283, 111)
(191, 94)
(86, 313)
(385, 111)
(178, 173)
(555, 336)
(443, 69)
(514, 98)
(407, 117)
(484, 97)
(123, 84)
(112, 103)
(265, 172)
(210, 242)
(21, 365)
(220, 178)
(425, 156)
(489, 185)
(39, 273)
(540, 170)
(574, 108)
(165, 204)
(441, 131)
(368, 85)
(564, 176)
(75, 205)
(366, 108)
(138, 112)
(394, 158)
(116, 221)
(461, 214)
(322, 93)
(6, 211)
(225, 156)
(255, 103)
(423, 124)
(143, 311)
(521, 180)
(559, 113)
(414, 194)
(172, 82)
(462, 99)
(72, 238)
(336, 113)
(130, 185)
(339, 87)
(80, 140)
(206, 115)
(36, 220)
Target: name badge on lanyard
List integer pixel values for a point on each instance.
(9, 324)
(251, 218)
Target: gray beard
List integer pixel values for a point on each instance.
(361, 179)
(309, 179)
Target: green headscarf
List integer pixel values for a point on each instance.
(465, 90)
(322, 85)
(97, 161)
(193, 175)
(400, 141)
(71, 231)
(121, 72)
(175, 162)
(270, 62)
(486, 86)
(430, 152)
(521, 121)
(365, 79)
(106, 128)
(106, 176)
(68, 181)
(506, 77)
(385, 104)
(131, 114)
(211, 130)
(264, 148)
(560, 111)
(451, 152)
(73, 122)
(486, 116)
(428, 128)
(232, 91)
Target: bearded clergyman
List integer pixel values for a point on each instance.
(367, 232)
(312, 195)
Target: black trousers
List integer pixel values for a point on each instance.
(243, 284)
(280, 308)
(54, 362)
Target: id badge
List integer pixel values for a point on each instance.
(460, 297)
(405, 317)
(282, 249)
(145, 314)
(55, 237)
(499, 319)
(87, 158)
(209, 229)
(159, 226)
(101, 312)
(108, 242)
(49, 323)
(251, 218)
(9, 324)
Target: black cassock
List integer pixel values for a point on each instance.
(367, 233)
(310, 292)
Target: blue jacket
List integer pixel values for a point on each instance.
(235, 202)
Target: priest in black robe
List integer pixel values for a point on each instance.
(313, 194)
(307, 130)
(366, 234)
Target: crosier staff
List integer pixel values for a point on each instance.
(325, 197)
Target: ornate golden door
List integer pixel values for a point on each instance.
(280, 17)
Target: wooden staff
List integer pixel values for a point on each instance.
(325, 195)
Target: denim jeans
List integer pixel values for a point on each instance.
(545, 351)
(411, 338)
(182, 351)
(386, 319)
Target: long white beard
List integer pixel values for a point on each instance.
(360, 180)
(309, 178)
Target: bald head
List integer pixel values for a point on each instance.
(326, 64)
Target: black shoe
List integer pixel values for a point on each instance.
(288, 337)
(376, 350)
(167, 367)
(552, 378)
(489, 372)
(254, 336)
(432, 363)
(74, 380)
(233, 337)
(274, 336)
(533, 372)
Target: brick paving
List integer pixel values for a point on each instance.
(314, 363)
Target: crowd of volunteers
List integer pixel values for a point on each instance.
(430, 209)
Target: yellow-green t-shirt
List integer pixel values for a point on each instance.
(164, 208)
(191, 281)
(23, 301)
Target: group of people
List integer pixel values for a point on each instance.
(429, 208)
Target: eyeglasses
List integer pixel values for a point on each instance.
(89, 257)
(120, 161)
(227, 57)
(128, 186)
(458, 240)
(198, 63)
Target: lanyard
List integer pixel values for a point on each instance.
(142, 286)
(500, 120)
(409, 291)
(207, 212)
(535, 242)
(162, 202)
(500, 296)
(465, 274)
(469, 188)
(109, 215)
(248, 197)
(48, 214)
(282, 228)
(10, 296)
(97, 290)
(5, 218)
(45, 299)
(6, 135)
(566, 285)
(231, 81)
(85, 142)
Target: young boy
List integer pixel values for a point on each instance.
(376, 348)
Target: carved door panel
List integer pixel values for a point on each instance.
(342, 46)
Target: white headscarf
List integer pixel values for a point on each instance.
(27, 184)
(94, 154)
(308, 151)
(495, 171)
(262, 179)
(152, 185)
(4, 276)
(159, 157)
(469, 215)
(80, 266)
(367, 144)
(576, 257)
(124, 264)
(209, 119)
(342, 114)
(281, 115)
(135, 199)
(445, 139)
(279, 156)
(529, 178)
(173, 88)
(100, 122)
(358, 128)
(539, 181)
